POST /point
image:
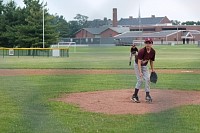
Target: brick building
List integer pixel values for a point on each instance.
(159, 28)
(101, 32)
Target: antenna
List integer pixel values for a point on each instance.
(139, 23)
(139, 18)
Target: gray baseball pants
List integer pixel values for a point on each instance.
(146, 77)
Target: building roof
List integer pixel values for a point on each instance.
(140, 34)
(141, 21)
(120, 29)
(129, 34)
(96, 31)
(194, 32)
(190, 33)
(99, 30)
(161, 34)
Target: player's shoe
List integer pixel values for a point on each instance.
(135, 98)
(148, 99)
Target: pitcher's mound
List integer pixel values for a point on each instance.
(118, 101)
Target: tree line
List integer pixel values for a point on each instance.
(23, 26)
(176, 22)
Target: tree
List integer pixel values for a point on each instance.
(198, 23)
(79, 23)
(189, 23)
(12, 17)
(73, 28)
(2, 24)
(30, 34)
(51, 36)
(82, 20)
(23, 27)
(175, 22)
(62, 27)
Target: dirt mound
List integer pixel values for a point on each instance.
(118, 101)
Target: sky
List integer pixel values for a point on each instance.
(181, 10)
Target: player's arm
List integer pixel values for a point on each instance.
(137, 49)
(139, 67)
(152, 65)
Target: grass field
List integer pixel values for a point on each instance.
(26, 105)
(168, 57)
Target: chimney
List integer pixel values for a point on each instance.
(153, 16)
(114, 17)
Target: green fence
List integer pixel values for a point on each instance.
(58, 52)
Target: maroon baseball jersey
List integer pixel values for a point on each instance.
(144, 56)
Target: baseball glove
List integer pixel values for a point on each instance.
(153, 77)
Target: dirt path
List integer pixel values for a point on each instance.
(13, 72)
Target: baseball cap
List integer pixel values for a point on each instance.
(148, 40)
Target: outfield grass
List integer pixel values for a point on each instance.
(27, 105)
(167, 57)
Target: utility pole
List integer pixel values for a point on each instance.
(43, 28)
(177, 36)
(139, 20)
(43, 24)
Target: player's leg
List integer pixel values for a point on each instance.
(138, 85)
(146, 77)
(130, 59)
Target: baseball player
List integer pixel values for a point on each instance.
(145, 55)
(133, 52)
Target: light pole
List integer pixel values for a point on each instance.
(177, 36)
(43, 23)
(43, 29)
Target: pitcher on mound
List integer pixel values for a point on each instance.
(145, 55)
